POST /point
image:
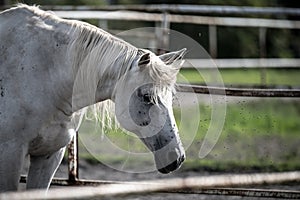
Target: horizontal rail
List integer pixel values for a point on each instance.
(77, 182)
(245, 92)
(203, 20)
(203, 183)
(246, 192)
(209, 9)
(195, 9)
(235, 21)
(243, 63)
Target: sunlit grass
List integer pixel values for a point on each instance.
(263, 133)
(238, 77)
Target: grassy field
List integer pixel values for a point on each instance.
(245, 76)
(258, 135)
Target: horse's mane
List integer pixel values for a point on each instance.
(93, 53)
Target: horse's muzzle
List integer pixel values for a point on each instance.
(173, 166)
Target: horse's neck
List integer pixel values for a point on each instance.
(97, 67)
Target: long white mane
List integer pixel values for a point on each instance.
(94, 54)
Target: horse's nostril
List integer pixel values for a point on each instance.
(182, 158)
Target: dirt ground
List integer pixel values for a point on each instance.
(101, 172)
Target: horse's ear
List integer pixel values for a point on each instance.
(171, 57)
(144, 60)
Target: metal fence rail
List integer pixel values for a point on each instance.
(175, 18)
(191, 9)
(194, 185)
(243, 63)
(244, 92)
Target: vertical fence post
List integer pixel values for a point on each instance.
(162, 34)
(73, 159)
(212, 31)
(262, 54)
(165, 35)
(103, 24)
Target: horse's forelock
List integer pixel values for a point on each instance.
(164, 77)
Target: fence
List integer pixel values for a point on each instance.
(165, 19)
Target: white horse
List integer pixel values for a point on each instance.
(50, 68)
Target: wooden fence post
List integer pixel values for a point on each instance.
(262, 54)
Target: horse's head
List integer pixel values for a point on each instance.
(143, 100)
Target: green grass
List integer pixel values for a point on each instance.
(246, 76)
(261, 135)
(239, 166)
(257, 135)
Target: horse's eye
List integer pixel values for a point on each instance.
(146, 98)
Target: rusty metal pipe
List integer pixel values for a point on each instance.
(73, 159)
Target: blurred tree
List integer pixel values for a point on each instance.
(238, 42)
(289, 3)
(112, 2)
